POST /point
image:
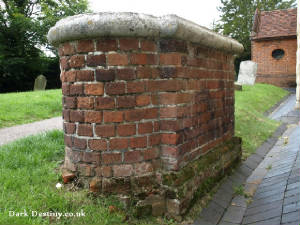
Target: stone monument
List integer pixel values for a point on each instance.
(40, 83)
(247, 74)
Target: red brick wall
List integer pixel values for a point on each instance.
(139, 113)
(279, 72)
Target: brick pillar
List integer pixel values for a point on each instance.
(298, 60)
(148, 106)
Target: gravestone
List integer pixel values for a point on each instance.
(40, 83)
(247, 74)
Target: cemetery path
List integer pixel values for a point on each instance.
(16, 132)
(270, 179)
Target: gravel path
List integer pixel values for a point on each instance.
(13, 133)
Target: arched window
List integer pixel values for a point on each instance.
(277, 53)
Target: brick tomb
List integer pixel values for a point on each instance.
(148, 106)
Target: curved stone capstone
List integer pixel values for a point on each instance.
(127, 24)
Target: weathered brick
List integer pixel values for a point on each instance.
(96, 60)
(122, 170)
(115, 59)
(105, 75)
(168, 112)
(69, 128)
(125, 74)
(170, 59)
(64, 63)
(115, 88)
(94, 89)
(143, 168)
(105, 130)
(151, 153)
(171, 45)
(85, 130)
(168, 72)
(93, 117)
(147, 45)
(138, 142)
(165, 85)
(172, 152)
(118, 143)
(77, 61)
(79, 143)
(85, 75)
(76, 116)
(147, 72)
(104, 103)
(132, 156)
(127, 44)
(98, 144)
(126, 129)
(69, 76)
(111, 158)
(68, 48)
(143, 100)
(84, 46)
(139, 114)
(66, 115)
(106, 171)
(106, 45)
(170, 125)
(154, 139)
(143, 59)
(125, 101)
(91, 157)
(68, 140)
(144, 128)
(76, 89)
(85, 103)
(170, 138)
(136, 87)
(69, 102)
(113, 116)
(65, 89)
(175, 98)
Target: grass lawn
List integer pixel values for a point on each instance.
(28, 178)
(28, 170)
(250, 123)
(27, 107)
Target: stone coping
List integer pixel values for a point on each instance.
(127, 24)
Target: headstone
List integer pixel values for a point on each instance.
(247, 74)
(40, 83)
(238, 87)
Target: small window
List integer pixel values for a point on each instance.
(277, 53)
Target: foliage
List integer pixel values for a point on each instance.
(250, 123)
(237, 18)
(27, 107)
(23, 28)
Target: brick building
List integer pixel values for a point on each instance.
(274, 46)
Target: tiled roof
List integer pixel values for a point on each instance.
(274, 24)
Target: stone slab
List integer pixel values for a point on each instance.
(128, 24)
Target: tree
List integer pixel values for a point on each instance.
(237, 18)
(23, 28)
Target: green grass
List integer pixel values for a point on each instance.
(27, 107)
(28, 176)
(250, 123)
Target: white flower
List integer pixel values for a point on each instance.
(58, 186)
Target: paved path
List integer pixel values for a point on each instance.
(12, 133)
(271, 178)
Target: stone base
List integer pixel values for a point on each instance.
(171, 193)
(238, 87)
